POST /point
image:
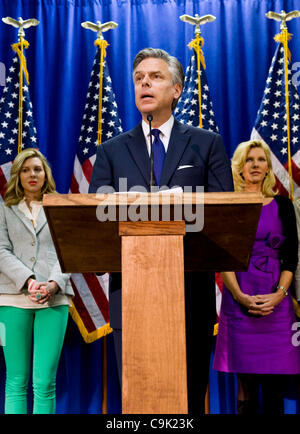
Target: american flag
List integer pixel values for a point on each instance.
(271, 123)
(90, 304)
(187, 112)
(9, 122)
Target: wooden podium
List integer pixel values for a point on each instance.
(98, 233)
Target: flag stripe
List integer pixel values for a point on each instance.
(82, 174)
(74, 185)
(81, 309)
(98, 294)
(3, 179)
(87, 170)
(295, 171)
(296, 159)
(90, 305)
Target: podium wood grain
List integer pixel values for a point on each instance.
(153, 322)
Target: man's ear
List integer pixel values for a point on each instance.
(177, 90)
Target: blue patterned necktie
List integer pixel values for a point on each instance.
(159, 154)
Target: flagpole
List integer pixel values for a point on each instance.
(197, 45)
(101, 44)
(284, 37)
(19, 49)
(104, 376)
(20, 131)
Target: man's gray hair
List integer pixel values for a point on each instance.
(174, 65)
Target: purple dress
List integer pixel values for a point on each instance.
(251, 344)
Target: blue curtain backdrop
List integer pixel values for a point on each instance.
(238, 49)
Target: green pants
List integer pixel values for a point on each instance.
(46, 329)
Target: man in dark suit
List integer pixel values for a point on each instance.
(192, 157)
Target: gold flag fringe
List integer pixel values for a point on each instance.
(101, 44)
(197, 45)
(88, 336)
(18, 48)
(283, 38)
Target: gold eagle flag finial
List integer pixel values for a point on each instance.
(283, 17)
(197, 21)
(99, 27)
(21, 24)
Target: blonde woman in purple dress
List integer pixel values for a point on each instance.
(257, 313)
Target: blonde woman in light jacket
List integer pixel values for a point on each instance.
(34, 293)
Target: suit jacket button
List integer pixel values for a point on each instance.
(32, 259)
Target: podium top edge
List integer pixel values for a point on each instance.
(128, 198)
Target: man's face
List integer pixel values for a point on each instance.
(154, 90)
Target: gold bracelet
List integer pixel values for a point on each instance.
(283, 290)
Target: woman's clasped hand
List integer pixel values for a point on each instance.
(40, 292)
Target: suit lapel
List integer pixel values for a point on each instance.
(179, 139)
(138, 149)
(41, 221)
(27, 223)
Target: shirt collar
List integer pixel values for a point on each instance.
(165, 128)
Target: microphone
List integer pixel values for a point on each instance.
(152, 179)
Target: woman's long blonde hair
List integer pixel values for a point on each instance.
(238, 162)
(14, 191)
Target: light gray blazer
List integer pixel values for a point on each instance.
(297, 272)
(25, 252)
